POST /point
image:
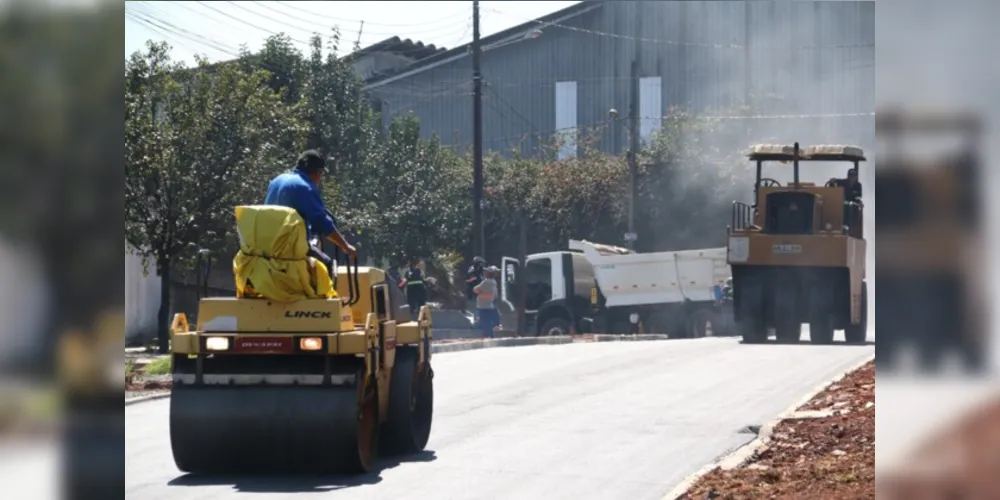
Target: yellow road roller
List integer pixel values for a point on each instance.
(303, 371)
(798, 252)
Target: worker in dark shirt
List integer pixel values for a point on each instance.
(416, 291)
(852, 194)
(299, 189)
(851, 185)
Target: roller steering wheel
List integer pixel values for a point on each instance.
(769, 182)
(831, 183)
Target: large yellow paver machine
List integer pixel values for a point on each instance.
(798, 253)
(303, 371)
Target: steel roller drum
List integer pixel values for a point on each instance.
(272, 429)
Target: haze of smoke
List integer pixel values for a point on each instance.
(788, 81)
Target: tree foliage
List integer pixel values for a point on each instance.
(199, 141)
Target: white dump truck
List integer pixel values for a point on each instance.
(595, 288)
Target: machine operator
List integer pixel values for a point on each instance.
(851, 185)
(852, 193)
(299, 190)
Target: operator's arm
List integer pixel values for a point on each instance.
(313, 211)
(338, 239)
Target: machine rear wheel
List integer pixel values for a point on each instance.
(274, 429)
(411, 405)
(821, 330)
(754, 332)
(788, 330)
(858, 334)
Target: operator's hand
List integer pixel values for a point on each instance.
(353, 252)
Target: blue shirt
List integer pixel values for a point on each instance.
(717, 291)
(295, 190)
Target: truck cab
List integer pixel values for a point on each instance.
(559, 289)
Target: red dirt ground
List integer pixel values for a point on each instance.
(961, 462)
(822, 458)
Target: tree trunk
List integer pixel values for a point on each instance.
(163, 317)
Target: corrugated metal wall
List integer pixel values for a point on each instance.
(806, 58)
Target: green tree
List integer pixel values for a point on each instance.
(421, 192)
(197, 143)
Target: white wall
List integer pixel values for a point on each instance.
(566, 123)
(650, 106)
(24, 302)
(142, 298)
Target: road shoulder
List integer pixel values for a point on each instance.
(824, 448)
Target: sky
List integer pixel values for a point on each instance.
(217, 29)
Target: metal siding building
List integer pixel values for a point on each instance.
(805, 58)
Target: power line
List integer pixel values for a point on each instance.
(206, 5)
(546, 24)
(309, 24)
(292, 6)
(181, 32)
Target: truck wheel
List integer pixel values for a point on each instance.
(555, 327)
(697, 323)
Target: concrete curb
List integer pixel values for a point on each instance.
(143, 399)
(745, 453)
(604, 337)
(493, 343)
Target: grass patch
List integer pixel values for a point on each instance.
(159, 366)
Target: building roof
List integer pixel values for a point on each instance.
(409, 48)
(424, 63)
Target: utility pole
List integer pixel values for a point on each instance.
(478, 235)
(748, 73)
(634, 138)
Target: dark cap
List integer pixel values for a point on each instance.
(852, 171)
(311, 161)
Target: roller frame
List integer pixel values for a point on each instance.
(351, 360)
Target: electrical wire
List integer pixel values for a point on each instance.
(306, 29)
(545, 24)
(293, 6)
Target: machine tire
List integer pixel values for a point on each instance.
(858, 334)
(411, 405)
(821, 330)
(754, 332)
(554, 327)
(788, 330)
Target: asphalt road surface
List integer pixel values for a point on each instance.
(604, 421)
